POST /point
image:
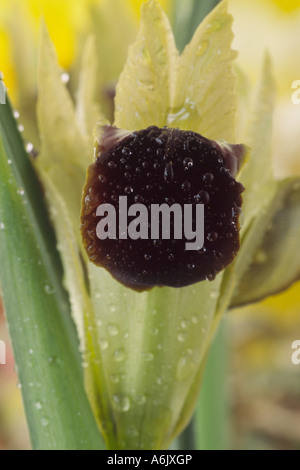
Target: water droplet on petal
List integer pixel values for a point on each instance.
(121, 403)
(119, 355)
(103, 344)
(49, 289)
(21, 191)
(29, 147)
(113, 329)
(65, 77)
(181, 337)
(148, 356)
(185, 368)
(45, 422)
(212, 237)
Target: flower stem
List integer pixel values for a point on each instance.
(211, 418)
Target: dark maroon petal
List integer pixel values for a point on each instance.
(157, 166)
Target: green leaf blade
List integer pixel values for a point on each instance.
(37, 308)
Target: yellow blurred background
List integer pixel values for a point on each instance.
(264, 384)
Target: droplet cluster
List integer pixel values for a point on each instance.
(163, 166)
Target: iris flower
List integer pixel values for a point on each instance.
(143, 354)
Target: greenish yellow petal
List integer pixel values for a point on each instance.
(146, 85)
(152, 346)
(205, 99)
(87, 109)
(257, 176)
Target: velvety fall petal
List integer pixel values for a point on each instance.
(171, 169)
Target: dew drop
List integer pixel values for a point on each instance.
(102, 178)
(112, 165)
(20, 128)
(113, 330)
(154, 331)
(44, 422)
(2, 226)
(188, 163)
(147, 257)
(103, 344)
(38, 405)
(169, 173)
(202, 197)
(208, 177)
(202, 48)
(21, 191)
(212, 237)
(29, 147)
(140, 399)
(186, 186)
(214, 295)
(16, 114)
(121, 403)
(183, 324)
(181, 337)
(159, 380)
(65, 77)
(9, 162)
(115, 379)
(49, 289)
(119, 355)
(128, 190)
(185, 368)
(148, 357)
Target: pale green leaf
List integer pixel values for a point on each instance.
(37, 308)
(205, 99)
(275, 261)
(146, 85)
(64, 156)
(152, 347)
(87, 110)
(257, 175)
